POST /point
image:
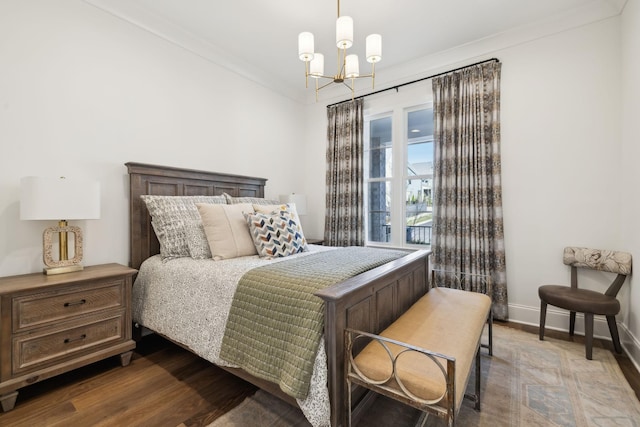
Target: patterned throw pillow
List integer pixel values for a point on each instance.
(171, 215)
(275, 235)
(283, 208)
(197, 241)
(231, 200)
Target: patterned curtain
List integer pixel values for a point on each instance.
(468, 235)
(344, 219)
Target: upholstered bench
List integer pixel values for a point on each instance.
(424, 358)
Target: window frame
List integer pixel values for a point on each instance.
(397, 106)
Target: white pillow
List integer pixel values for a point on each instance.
(227, 230)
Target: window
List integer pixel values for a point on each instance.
(398, 167)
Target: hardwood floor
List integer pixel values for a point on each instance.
(163, 386)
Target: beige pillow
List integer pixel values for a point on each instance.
(226, 230)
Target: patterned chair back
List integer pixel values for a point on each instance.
(598, 259)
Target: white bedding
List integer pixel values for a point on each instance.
(188, 301)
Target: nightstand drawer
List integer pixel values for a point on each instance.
(37, 350)
(48, 307)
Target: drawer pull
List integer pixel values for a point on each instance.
(70, 340)
(71, 304)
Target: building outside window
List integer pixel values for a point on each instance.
(398, 167)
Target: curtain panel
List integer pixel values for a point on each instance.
(468, 235)
(344, 218)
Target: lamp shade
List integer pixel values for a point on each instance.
(344, 32)
(305, 46)
(299, 200)
(316, 68)
(351, 67)
(374, 47)
(59, 199)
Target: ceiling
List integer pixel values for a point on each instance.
(258, 38)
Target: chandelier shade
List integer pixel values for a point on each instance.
(374, 48)
(351, 67)
(316, 69)
(305, 46)
(348, 67)
(344, 32)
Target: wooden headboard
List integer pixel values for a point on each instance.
(170, 181)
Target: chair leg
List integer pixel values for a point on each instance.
(588, 334)
(572, 322)
(543, 318)
(615, 337)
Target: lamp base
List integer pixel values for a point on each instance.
(60, 270)
(63, 265)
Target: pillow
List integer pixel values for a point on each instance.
(231, 200)
(197, 241)
(171, 215)
(226, 230)
(289, 208)
(275, 235)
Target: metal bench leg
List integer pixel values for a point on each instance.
(423, 419)
(490, 333)
(489, 344)
(348, 391)
(478, 377)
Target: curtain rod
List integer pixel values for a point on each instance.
(416, 81)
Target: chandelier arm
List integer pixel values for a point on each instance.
(373, 75)
(306, 74)
(351, 88)
(325, 85)
(324, 77)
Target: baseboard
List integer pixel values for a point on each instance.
(559, 320)
(630, 344)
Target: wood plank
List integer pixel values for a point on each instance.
(191, 393)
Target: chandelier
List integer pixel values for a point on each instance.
(347, 65)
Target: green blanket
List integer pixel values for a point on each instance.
(276, 322)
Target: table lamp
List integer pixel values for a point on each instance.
(300, 200)
(60, 199)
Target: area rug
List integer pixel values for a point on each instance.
(527, 382)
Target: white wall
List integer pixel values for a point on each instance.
(561, 156)
(629, 172)
(83, 92)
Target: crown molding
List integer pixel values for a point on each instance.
(160, 27)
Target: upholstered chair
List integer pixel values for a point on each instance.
(587, 301)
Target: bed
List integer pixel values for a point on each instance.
(369, 301)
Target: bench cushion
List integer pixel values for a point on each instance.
(445, 321)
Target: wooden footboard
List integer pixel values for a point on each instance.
(368, 302)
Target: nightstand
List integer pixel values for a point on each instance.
(53, 324)
(315, 241)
